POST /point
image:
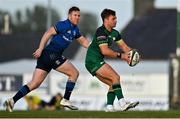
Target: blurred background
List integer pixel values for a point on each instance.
(151, 26)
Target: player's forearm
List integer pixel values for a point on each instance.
(125, 48)
(83, 41)
(113, 54)
(110, 53)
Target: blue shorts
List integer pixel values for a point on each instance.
(50, 60)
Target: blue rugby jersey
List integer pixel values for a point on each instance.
(66, 33)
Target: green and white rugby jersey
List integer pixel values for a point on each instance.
(94, 57)
(101, 37)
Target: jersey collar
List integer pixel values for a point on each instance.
(108, 32)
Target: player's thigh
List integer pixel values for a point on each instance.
(38, 77)
(67, 68)
(107, 72)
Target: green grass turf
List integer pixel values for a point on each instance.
(90, 114)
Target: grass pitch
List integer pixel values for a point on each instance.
(90, 114)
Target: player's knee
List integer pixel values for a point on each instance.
(118, 77)
(74, 75)
(77, 74)
(110, 84)
(115, 79)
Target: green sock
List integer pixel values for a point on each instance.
(118, 91)
(110, 97)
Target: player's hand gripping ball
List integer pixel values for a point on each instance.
(134, 57)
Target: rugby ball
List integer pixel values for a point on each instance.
(134, 57)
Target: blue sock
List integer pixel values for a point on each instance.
(21, 93)
(69, 87)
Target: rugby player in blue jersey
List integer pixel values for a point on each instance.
(49, 56)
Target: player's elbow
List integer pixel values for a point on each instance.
(51, 31)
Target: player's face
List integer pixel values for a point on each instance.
(74, 17)
(112, 20)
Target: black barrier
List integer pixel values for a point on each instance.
(174, 82)
(10, 82)
(18, 46)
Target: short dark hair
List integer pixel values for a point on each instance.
(74, 8)
(106, 13)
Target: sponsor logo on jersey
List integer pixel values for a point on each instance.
(65, 38)
(101, 37)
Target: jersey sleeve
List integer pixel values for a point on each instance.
(78, 34)
(59, 26)
(101, 37)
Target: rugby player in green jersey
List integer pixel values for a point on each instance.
(96, 65)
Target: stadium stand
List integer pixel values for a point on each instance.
(154, 35)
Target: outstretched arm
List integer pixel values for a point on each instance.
(51, 31)
(83, 41)
(106, 51)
